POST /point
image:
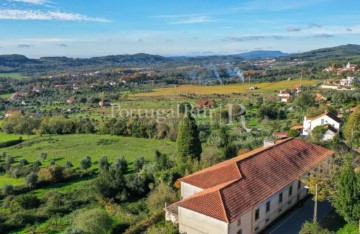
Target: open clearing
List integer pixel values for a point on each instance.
(226, 89)
(74, 148)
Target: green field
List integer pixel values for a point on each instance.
(73, 148)
(9, 137)
(15, 76)
(5, 96)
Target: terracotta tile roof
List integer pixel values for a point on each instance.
(280, 134)
(329, 114)
(262, 173)
(297, 127)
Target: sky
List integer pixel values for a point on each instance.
(87, 28)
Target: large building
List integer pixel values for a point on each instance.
(245, 194)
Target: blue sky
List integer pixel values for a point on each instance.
(86, 28)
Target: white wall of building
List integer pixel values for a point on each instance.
(191, 222)
(188, 190)
(309, 125)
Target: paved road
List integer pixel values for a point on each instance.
(292, 223)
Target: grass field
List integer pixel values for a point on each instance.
(5, 96)
(16, 76)
(9, 137)
(226, 89)
(73, 148)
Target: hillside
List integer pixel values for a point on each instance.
(262, 54)
(334, 53)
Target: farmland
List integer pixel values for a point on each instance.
(226, 89)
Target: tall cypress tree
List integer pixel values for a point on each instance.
(188, 144)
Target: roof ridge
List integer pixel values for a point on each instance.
(238, 158)
(223, 204)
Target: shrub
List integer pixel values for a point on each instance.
(51, 174)
(68, 164)
(85, 163)
(23, 162)
(37, 164)
(162, 194)
(31, 179)
(7, 189)
(138, 164)
(93, 221)
(9, 160)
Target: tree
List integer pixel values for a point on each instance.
(347, 194)
(37, 164)
(188, 143)
(93, 221)
(305, 100)
(43, 156)
(162, 194)
(23, 162)
(9, 160)
(68, 164)
(139, 163)
(7, 189)
(293, 133)
(104, 163)
(352, 128)
(31, 179)
(312, 228)
(85, 163)
(121, 165)
(110, 183)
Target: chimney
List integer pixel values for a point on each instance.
(269, 142)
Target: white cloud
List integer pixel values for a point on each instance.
(36, 2)
(10, 14)
(193, 20)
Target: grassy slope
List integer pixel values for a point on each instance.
(16, 76)
(226, 89)
(75, 147)
(8, 137)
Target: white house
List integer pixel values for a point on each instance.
(328, 120)
(245, 194)
(284, 95)
(349, 81)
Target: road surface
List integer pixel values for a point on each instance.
(291, 224)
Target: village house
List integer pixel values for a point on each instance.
(17, 96)
(104, 103)
(206, 103)
(349, 81)
(285, 95)
(12, 112)
(71, 100)
(329, 120)
(244, 195)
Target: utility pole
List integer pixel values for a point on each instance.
(316, 204)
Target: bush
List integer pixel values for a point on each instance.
(85, 163)
(51, 174)
(24, 202)
(68, 164)
(37, 164)
(31, 179)
(93, 221)
(23, 162)
(139, 163)
(293, 133)
(10, 160)
(8, 189)
(162, 194)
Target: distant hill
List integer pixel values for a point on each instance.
(343, 52)
(262, 54)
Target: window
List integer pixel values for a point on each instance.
(268, 206)
(239, 232)
(239, 221)
(257, 214)
(299, 184)
(290, 191)
(280, 197)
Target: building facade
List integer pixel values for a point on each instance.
(328, 120)
(245, 194)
